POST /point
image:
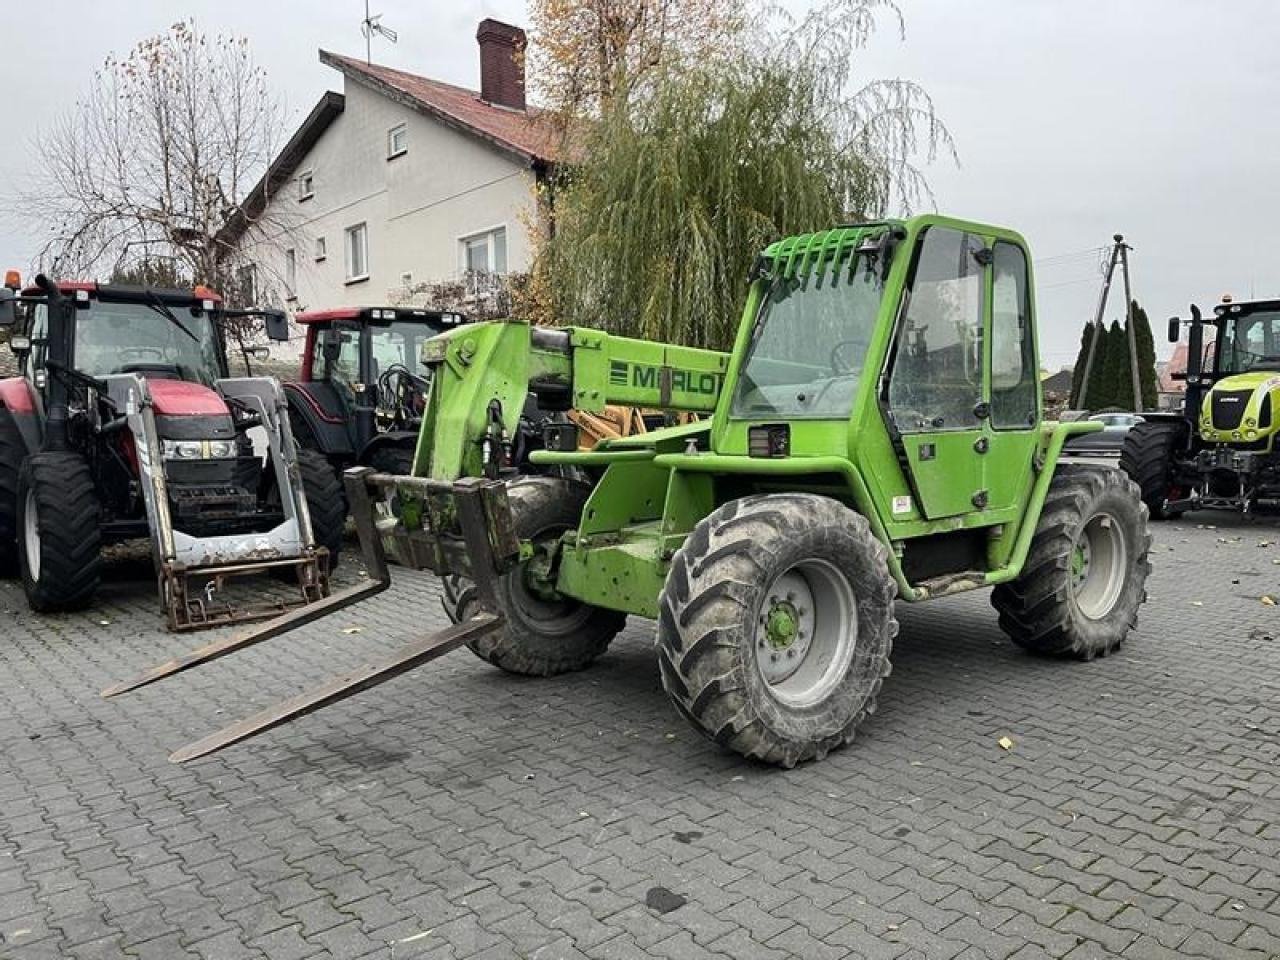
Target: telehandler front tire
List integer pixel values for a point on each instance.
(543, 636)
(776, 625)
(60, 541)
(1147, 459)
(1086, 572)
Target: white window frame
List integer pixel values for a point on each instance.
(306, 185)
(363, 228)
(401, 131)
(321, 249)
(488, 232)
(291, 274)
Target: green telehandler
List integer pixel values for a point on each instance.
(875, 435)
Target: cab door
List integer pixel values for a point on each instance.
(1014, 409)
(935, 392)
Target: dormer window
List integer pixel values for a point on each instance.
(397, 141)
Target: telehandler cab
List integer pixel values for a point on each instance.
(126, 424)
(875, 434)
(1219, 451)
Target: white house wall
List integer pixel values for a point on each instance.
(417, 206)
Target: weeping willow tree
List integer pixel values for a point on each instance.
(679, 189)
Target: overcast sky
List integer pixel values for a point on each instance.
(1074, 119)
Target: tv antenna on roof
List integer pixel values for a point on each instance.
(371, 25)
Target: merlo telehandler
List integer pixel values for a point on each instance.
(875, 435)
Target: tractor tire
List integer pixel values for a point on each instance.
(396, 460)
(1086, 572)
(326, 501)
(12, 450)
(1147, 458)
(60, 543)
(542, 637)
(733, 648)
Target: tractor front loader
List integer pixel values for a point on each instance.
(874, 436)
(126, 425)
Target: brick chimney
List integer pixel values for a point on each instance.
(501, 76)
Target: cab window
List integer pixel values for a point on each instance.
(1013, 366)
(937, 370)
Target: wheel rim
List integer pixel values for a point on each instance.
(1098, 561)
(31, 535)
(806, 633)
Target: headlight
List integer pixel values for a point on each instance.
(199, 449)
(183, 449)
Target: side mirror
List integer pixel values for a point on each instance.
(331, 344)
(1175, 328)
(21, 346)
(277, 325)
(258, 353)
(8, 307)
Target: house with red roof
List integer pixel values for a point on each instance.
(401, 180)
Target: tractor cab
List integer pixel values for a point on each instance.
(363, 386)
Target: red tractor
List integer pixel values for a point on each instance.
(363, 387)
(126, 424)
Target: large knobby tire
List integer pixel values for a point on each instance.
(12, 451)
(776, 625)
(1147, 458)
(1086, 572)
(60, 543)
(542, 637)
(326, 501)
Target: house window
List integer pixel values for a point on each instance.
(485, 252)
(291, 274)
(247, 284)
(322, 249)
(357, 246)
(306, 186)
(397, 141)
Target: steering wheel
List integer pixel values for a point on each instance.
(141, 353)
(837, 364)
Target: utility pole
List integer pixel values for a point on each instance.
(1079, 403)
(1119, 254)
(1124, 249)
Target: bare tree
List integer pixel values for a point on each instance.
(151, 164)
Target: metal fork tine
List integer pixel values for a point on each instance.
(346, 685)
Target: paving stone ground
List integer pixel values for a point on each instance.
(460, 812)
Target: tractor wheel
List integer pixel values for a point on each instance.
(326, 501)
(396, 460)
(1086, 572)
(543, 636)
(61, 544)
(776, 624)
(12, 450)
(1147, 457)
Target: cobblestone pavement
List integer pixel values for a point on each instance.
(460, 812)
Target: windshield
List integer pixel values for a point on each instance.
(1251, 341)
(807, 349)
(137, 337)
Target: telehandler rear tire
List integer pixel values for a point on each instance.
(1147, 458)
(1086, 572)
(776, 625)
(12, 450)
(60, 542)
(542, 637)
(326, 501)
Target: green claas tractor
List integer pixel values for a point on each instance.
(875, 435)
(1219, 450)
